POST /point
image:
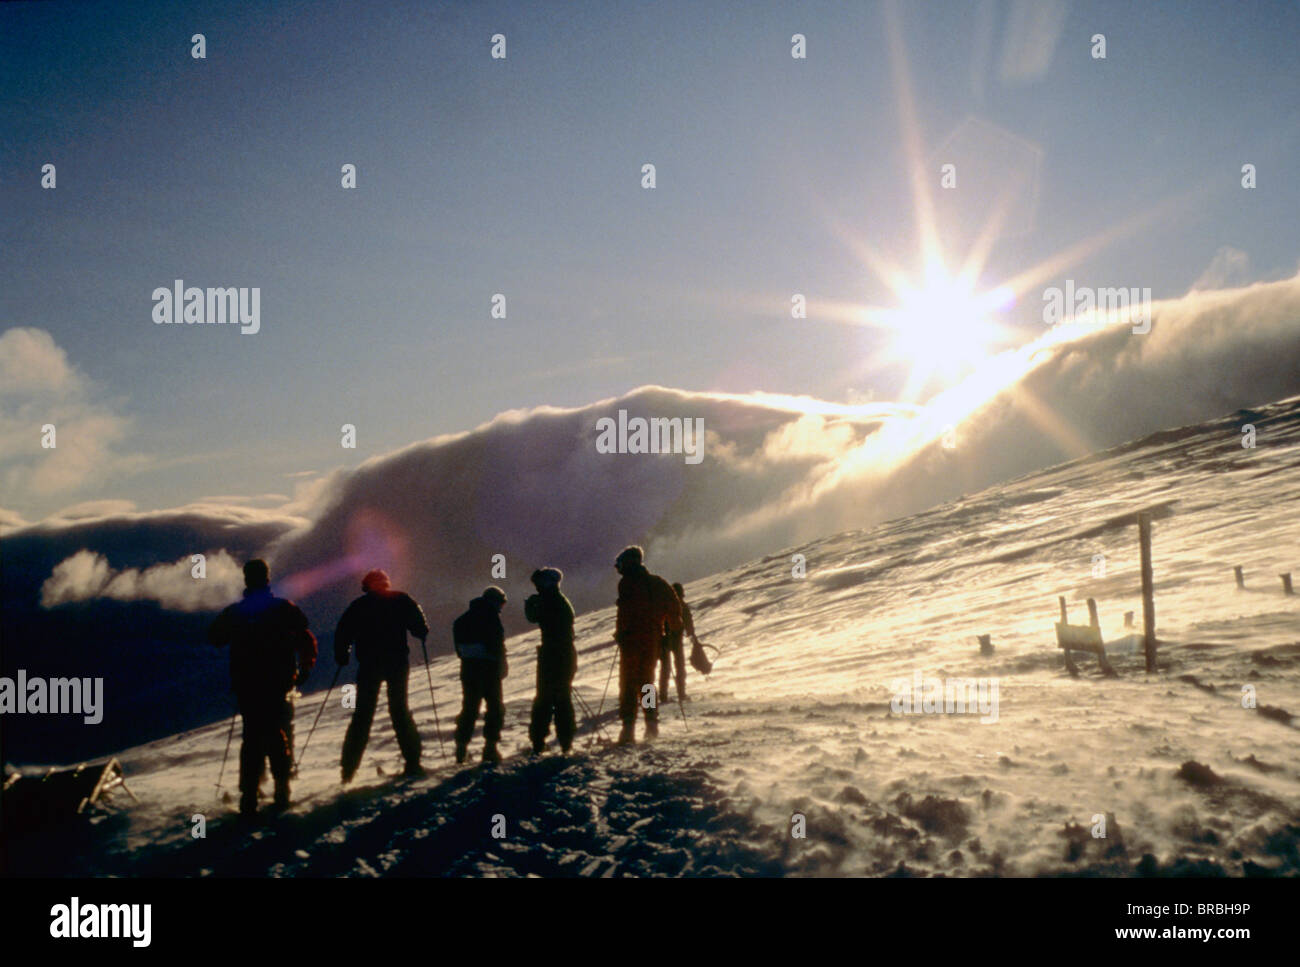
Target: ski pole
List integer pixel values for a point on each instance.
(429, 677)
(592, 715)
(586, 710)
(323, 703)
(229, 736)
(613, 658)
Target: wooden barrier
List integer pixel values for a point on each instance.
(1082, 638)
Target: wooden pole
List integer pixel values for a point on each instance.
(1286, 583)
(1065, 620)
(1241, 578)
(1148, 592)
(1092, 613)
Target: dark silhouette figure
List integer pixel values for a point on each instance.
(271, 651)
(480, 641)
(377, 623)
(557, 660)
(674, 650)
(646, 607)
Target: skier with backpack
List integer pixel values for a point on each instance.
(377, 624)
(271, 651)
(647, 607)
(557, 660)
(480, 641)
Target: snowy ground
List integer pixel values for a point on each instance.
(797, 715)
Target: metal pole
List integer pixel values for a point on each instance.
(442, 750)
(601, 708)
(229, 736)
(613, 659)
(586, 711)
(324, 702)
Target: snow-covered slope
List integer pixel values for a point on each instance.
(797, 717)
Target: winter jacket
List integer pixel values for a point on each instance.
(478, 634)
(377, 623)
(553, 613)
(647, 605)
(271, 649)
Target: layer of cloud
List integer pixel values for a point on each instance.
(177, 586)
(777, 471)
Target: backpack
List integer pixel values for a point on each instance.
(699, 660)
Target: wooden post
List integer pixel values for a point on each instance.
(1286, 583)
(1092, 613)
(1148, 592)
(1241, 578)
(1128, 619)
(1069, 662)
(986, 644)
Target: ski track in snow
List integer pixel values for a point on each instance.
(796, 717)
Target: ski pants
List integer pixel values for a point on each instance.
(555, 670)
(395, 671)
(267, 718)
(480, 681)
(636, 669)
(672, 648)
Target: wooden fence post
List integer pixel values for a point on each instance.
(1148, 592)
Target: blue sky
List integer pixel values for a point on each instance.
(522, 176)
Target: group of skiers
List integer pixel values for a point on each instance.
(272, 651)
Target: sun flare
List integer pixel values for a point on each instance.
(944, 328)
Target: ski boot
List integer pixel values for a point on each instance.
(490, 753)
(282, 802)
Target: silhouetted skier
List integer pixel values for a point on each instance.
(271, 651)
(377, 623)
(557, 660)
(673, 649)
(480, 641)
(646, 607)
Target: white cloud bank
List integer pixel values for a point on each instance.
(87, 575)
(777, 471)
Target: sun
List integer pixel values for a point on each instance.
(943, 328)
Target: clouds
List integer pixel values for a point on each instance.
(1229, 267)
(86, 575)
(39, 387)
(531, 486)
